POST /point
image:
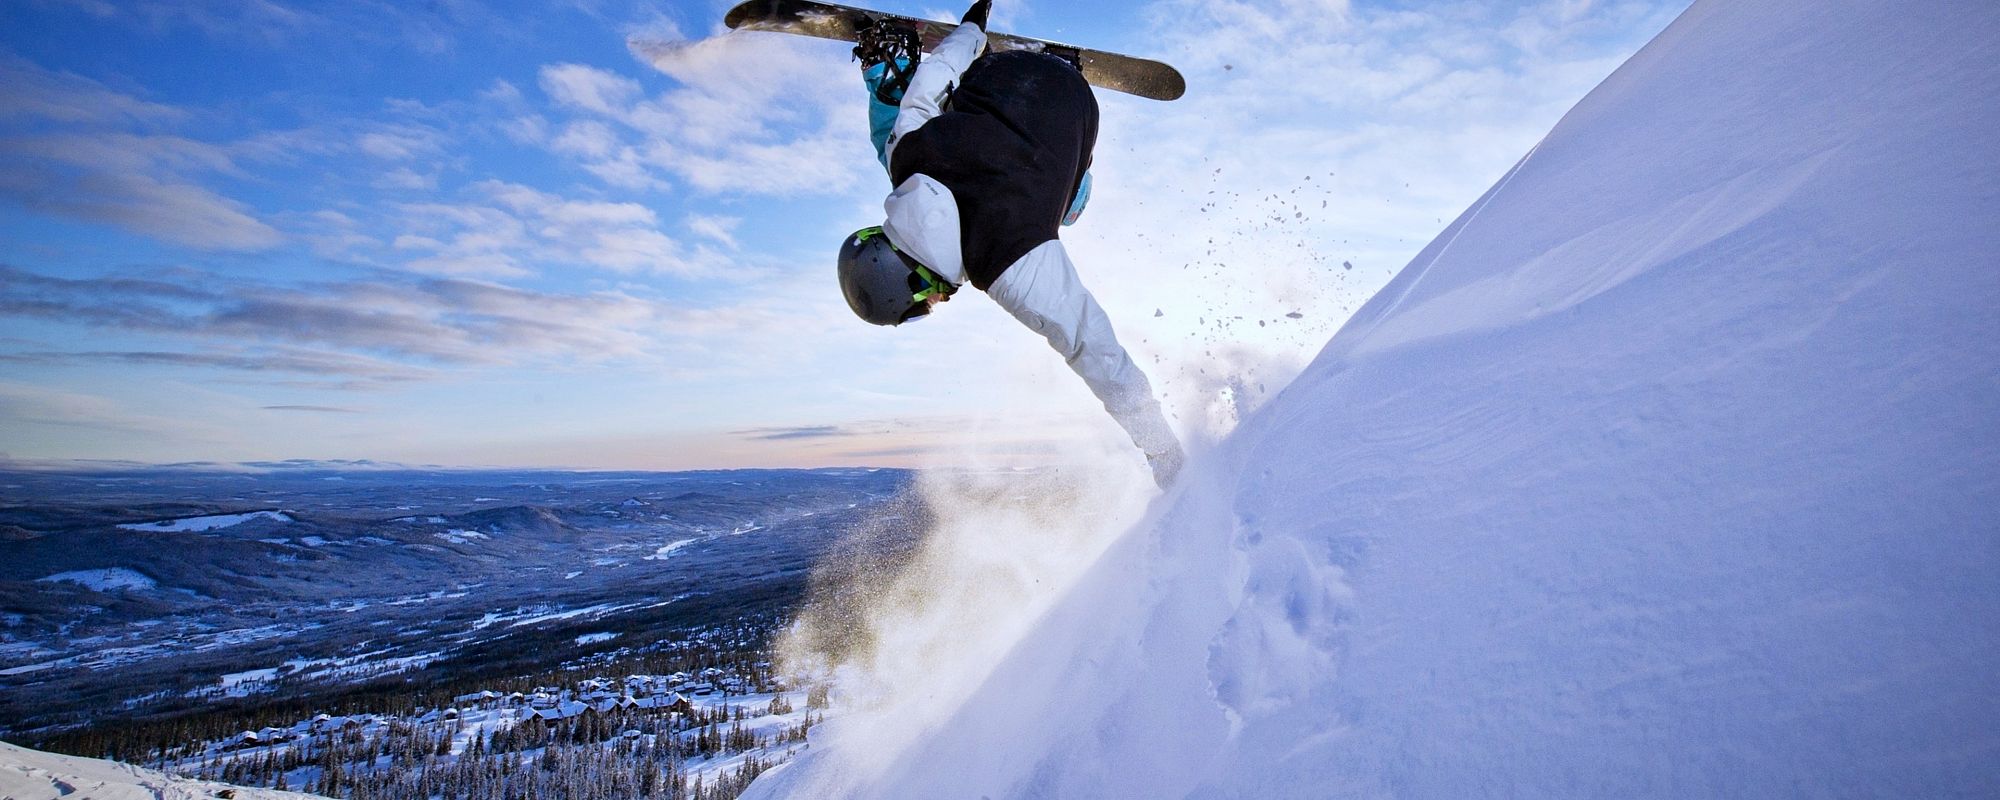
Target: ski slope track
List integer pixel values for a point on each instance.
(1670, 469)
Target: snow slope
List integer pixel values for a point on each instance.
(103, 580)
(205, 524)
(34, 775)
(1670, 469)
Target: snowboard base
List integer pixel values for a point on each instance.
(1120, 73)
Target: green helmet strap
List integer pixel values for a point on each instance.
(935, 286)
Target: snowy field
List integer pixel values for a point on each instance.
(31, 775)
(103, 580)
(208, 523)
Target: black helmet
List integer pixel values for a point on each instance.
(882, 285)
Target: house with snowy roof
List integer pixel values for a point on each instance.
(484, 698)
(566, 710)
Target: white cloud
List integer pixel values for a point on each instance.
(588, 88)
(24, 405)
(517, 229)
(587, 138)
(332, 235)
(715, 228)
(176, 212)
(505, 93)
(262, 21)
(167, 207)
(464, 240)
(351, 324)
(412, 242)
(407, 179)
(823, 162)
(752, 114)
(145, 183)
(564, 212)
(400, 142)
(631, 249)
(31, 92)
(530, 129)
(625, 170)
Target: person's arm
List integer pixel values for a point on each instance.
(1042, 290)
(936, 74)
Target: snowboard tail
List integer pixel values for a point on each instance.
(1122, 73)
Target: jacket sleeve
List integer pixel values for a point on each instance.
(936, 74)
(1042, 290)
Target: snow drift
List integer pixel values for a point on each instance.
(1670, 469)
(34, 775)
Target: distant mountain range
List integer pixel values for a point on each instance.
(142, 592)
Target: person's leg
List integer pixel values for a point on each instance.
(889, 55)
(882, 115)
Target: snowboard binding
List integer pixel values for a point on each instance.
(895, 45)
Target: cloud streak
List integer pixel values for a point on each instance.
(290, 361)
(442, 321)
(142, 182)
(23, 405)
(787, 434)
(509, 230)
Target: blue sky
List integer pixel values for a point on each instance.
(600, 234)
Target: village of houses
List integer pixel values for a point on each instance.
(701, 735)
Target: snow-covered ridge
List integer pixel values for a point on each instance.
(460, 536)
(207, 523)
(103, 580)
(34, 775)
(1670, 469)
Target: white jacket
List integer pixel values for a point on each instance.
(1041, 289)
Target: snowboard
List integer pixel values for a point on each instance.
(1136, 76)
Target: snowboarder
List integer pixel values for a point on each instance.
(989, 156)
